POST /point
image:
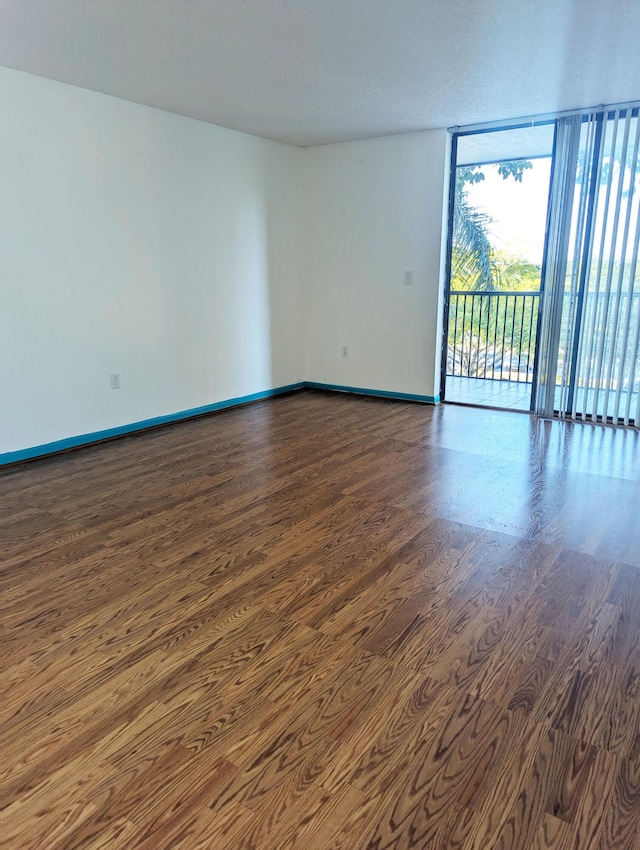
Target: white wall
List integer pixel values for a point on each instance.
(202, 264)
(138, 242)
(373, 210)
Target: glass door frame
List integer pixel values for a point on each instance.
(455, 135)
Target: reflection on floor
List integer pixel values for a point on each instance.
(489, 393)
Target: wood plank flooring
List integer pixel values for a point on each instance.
(324, 621)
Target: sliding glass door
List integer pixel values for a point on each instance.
(500, 192)
(589, 348)
(547, 320)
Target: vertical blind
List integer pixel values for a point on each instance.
(589, 356)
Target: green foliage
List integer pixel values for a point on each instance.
(515, 274)
(514, 168)
(475, 264)
(468, 174)
(491, 336)
(472, 265)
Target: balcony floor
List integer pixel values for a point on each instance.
(514, 395)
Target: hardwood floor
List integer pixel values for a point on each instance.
(324, 621)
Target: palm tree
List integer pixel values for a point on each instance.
(475, 266)
(473, 260)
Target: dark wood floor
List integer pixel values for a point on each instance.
(325, 622)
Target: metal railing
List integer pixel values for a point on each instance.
(492, 334)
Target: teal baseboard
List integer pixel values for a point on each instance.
(109, 433)
(423, 399)
(145, 424)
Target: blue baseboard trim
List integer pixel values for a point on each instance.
(109, 433)
(424, 399)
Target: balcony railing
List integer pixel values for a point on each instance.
(492, 334)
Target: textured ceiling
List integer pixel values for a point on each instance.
(314, 71)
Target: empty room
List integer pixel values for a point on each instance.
(319, 425)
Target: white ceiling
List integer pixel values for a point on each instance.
(315, 71)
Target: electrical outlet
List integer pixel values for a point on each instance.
(408, 278)
(345, 350)
(115, 381)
